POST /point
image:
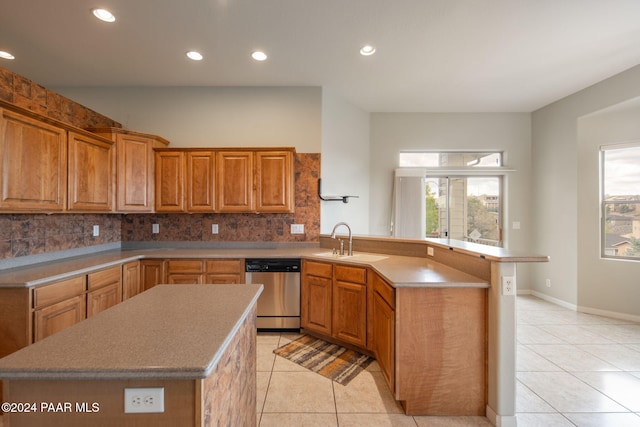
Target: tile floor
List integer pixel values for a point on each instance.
(573, 369)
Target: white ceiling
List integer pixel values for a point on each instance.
(432, 55)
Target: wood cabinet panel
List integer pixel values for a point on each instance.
(59, 316)
(179, 266)
(200, 181)
(91, 173)
(185, 279)
(103, 298)
(220, 271)
(274, 181)
(104, 277)
(169, 181)
(350, 312)
(321, 269)
(234, 181)
(383, 345)
(350, 274)
(131, 280)
(33, 164)
(316, 304)
(49, 294)
(151, 273)
(135, 173)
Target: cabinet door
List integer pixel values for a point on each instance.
(103, 298)
(33, 164)
(349, 312)
(234, 181)
(54, 318)
(384, 338)
(200, 181)
(131, 283)
(134, 173)
(91, 173)
(225, 271)
(274, 181)
(151, 274)
(316, 304)
(169, 179)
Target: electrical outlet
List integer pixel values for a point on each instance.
(96, 230)
(155, 228)
(143, 400)
(508, 285)
(214, 228)
(297, 228)
(429, 251)
(548, 283)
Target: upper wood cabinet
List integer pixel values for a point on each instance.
(134, 167)
(91, 173)
(224, 180)
(274, 181)
(169, 181)
(200, 181)
(234, 181)
(33, 164)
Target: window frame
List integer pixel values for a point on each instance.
(605, 203)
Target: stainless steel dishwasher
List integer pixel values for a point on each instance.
(279, 304)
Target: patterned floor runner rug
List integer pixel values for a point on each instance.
(330, 360)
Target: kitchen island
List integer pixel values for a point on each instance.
(197, 343)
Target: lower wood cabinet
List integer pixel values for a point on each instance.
(221, 271)
(185, 272)
(58, 306)
(104, 289)
(334, 301)
(350, 305)
(131, 280)
(200, 271)
(383, 317)
(151, 273)
(315, 296)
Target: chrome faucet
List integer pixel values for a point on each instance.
(333, 236)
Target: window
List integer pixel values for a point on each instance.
(463, 194)
(620, 201)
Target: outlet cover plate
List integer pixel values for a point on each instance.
(297, 228)
(143, 400)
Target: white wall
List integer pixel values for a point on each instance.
(345, 164)
(508, 132)
(603, 284)
(556, 178)
(214, 116)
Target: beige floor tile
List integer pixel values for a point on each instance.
(299, 392)
(528, 401)
(622, 334)
(366, 393)
(272, 338)
(543, 420)
(375, 420)
(261, 389)
(282, 364)
(566, 393)
(622, 387)
(571, 359)
(576, 334)
(620, 356)
(604, 420)
(530, 334)
(298, 420)
(452, 422)
(264, 357)
(529, 360)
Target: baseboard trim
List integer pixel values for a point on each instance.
(583, 309)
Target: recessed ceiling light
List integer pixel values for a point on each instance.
(103, 15)
(367, 50)
(6, 55)
(259, 56)
(196, 56)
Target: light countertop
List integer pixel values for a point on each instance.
(167, 332)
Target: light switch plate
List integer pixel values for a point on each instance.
(214, 228)
(155, 228)
(96, 230)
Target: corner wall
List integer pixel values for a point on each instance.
(557, 189)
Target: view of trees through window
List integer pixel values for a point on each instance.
(461, 202)
(621, 201)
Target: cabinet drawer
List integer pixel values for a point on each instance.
(351, 274)
(386, 291)
(318, 269)
(59, 291)
(225, 266)
(104, 277)
(185, 266)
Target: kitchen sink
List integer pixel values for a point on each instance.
(355, 257)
